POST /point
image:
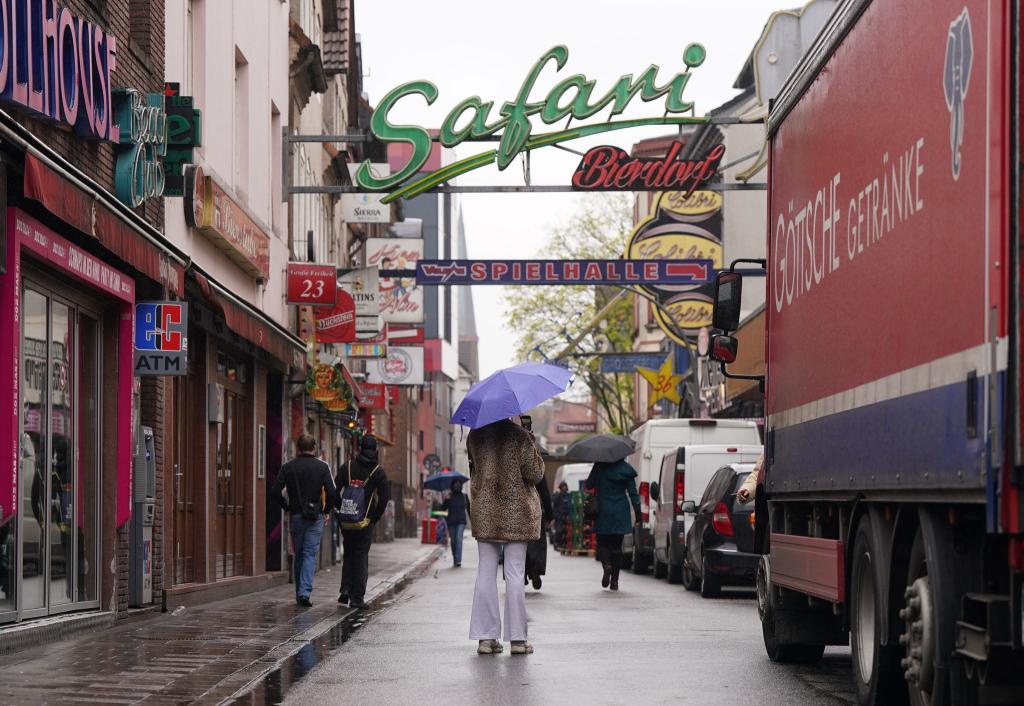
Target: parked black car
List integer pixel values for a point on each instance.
(720, 543)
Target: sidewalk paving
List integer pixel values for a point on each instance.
(204, 655)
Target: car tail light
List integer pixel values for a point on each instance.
(721, 522)
(680, 487)
(732, 450)
(703, 422)
(645, 501)
(753, 519)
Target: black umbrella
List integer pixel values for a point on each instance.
(603, 447)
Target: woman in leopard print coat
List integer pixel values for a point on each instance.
(504, 468)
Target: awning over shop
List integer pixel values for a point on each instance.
(58, 190)
(250, 323)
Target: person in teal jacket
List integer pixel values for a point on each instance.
(615, 484)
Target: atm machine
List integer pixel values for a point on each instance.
(140, 529)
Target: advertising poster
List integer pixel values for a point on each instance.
(402, 366)
(401, 299)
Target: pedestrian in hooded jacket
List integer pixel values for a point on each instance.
(615, 484)
(364, 468)
(457, 505)
(504, 469)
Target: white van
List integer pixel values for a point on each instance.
(574, 475)
(654, 439)
(685, 473)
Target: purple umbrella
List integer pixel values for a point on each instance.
(510, 392)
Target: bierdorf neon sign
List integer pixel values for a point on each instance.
(58, 65)
(572, 97)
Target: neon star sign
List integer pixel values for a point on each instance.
(471, 119)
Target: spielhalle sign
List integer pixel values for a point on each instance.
(555, 272)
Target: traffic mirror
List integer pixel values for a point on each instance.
(728, 295)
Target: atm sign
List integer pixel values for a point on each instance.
(161, 338)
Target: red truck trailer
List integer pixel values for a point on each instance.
(894, 463)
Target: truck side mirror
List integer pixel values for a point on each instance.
(655, 492)
(723, 349)
(728, 295)
(690, 507)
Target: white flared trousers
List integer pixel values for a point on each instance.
(485, 623)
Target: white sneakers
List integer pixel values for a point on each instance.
(494, 647)
(489, 647)
(521, 647)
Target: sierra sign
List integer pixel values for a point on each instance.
(471, 119)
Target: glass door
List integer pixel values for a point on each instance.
(59, 454)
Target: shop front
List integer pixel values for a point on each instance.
(67, 328)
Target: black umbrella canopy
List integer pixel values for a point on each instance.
(607, 448)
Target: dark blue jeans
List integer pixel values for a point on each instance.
(305, 543)
(456, 533)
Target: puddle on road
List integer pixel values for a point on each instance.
(273, 688)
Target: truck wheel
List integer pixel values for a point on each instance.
(710, 586)
(660, 569)
(875, 668)
(776, 650)
(920, 630)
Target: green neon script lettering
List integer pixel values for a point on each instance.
(452, 135)
(518, 113)
(414, 135)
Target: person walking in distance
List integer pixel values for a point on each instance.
(363, 495)
(615, 485)
(504, 469)
(560, 511)
(308, 480)
(457, 505)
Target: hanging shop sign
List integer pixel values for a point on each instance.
(58, 65)
(379, 335)
(184, 134)
(229, 226)
(664, 382)
(680, 226)
(607, 168)
(570, 98)
(337, 324)
(366, 207)
(374, 396)
(139, 170)
(402, 366)
(323, 382)
(575, 427)
(364, 286)
(406, 335)
(629, 362)
(371, 326)
(365, 350)
(161, 338)
(556, 272)
(345, 399)
(312, 285)
(401, 300)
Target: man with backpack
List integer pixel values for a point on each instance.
(363, 495)
(307, 479)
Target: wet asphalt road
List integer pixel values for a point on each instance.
(650, 643)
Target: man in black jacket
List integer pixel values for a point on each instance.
(306, 478)
(364, 469)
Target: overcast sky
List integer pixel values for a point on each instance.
(485, 48)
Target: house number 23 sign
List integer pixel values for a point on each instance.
(312, 285)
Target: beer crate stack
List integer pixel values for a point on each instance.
(580, 539)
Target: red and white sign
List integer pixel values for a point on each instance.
(402, 366)
(374, 396)
(337, 324)
(312, 285)
(405, 335)
(401, 299)
(42, 241)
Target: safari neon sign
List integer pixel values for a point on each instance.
(573, 97)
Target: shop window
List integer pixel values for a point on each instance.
(231, 368)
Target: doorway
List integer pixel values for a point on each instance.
(233, 461)
(59, 453)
